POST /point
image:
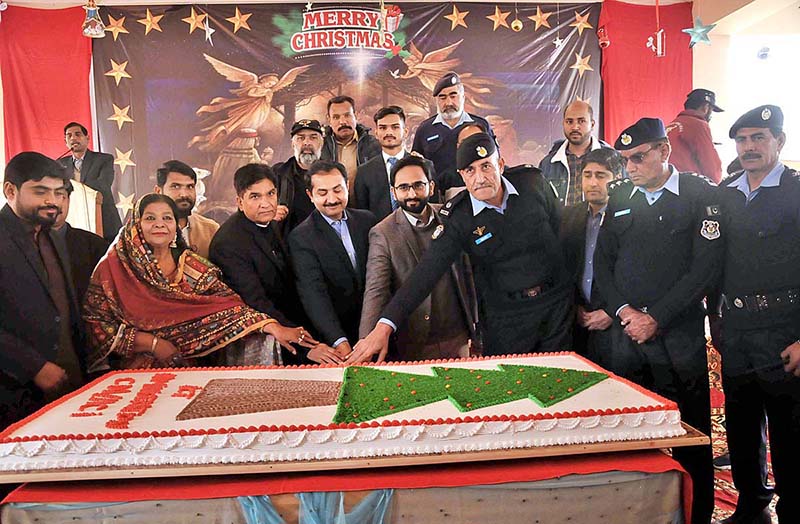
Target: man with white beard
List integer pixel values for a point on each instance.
(436, 138)
(294, 206)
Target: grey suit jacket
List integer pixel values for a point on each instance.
(393, 255)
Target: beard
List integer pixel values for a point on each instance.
(307, 157)
(184, 211)
(451, 113)
(34, 216)
(413, 205)
(577, 140)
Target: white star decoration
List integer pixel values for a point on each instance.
(558, 42)
(699, 32)
(209, 31)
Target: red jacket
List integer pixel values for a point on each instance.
(692, 147)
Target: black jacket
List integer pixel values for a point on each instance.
(330, 289)
(29, 318)
(292, 193)
(557, 173)
(97, 172)
(371, 189)
(367, 147)
(85, 249)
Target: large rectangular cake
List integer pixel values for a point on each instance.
(250, 415)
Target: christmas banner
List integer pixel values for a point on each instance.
(220, 86)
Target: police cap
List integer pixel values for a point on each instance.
(762, 116)
(704, 95)
(644, 131)
(474, 147)
(448, 80)
(313, 125)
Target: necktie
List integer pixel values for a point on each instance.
(78, 162)
(392, 161)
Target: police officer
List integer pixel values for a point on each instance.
(659, 249)
(507, 222)
(436, 137)
(761, 318)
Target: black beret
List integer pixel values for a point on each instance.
(474, 147)
(704, 95)
(644, 131)
(767, 116)
(313, 125)
(448, 80)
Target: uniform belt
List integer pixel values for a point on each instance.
(764, 301)
(530, 292)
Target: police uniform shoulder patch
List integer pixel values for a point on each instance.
(698, 176)
(438, 231)
(710, 230)
(616, 185)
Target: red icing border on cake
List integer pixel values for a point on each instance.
(668, 404)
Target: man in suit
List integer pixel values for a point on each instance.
(371, 189)
(329, 257)
(251, 253)
(40, 325)
(84, 248)
(659, 251)
(96, 170)
(580, 225)
(442, 326)
(293, 203)
(436, 137)
(178, 181)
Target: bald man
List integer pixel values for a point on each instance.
(561, 166)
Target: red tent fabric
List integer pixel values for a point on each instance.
(636, 83)
(45, 61)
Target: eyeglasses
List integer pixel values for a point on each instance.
(418, 187)
(638, 158)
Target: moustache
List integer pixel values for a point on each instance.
(336, 204)
(48, 208)
(344, 126)
(387, 137)
(751, 156)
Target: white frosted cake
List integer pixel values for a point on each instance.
(250, 415)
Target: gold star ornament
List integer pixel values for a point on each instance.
(123, 160)
(120, 116)
(118, 71)
(498, 18)
(581, 22)
(240, 20)
(581, 64)
(150, 22)
(457, 18)
(540, 18)
(195, 21)
(125, 203)
(115, 27)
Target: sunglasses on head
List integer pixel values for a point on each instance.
(638, 158)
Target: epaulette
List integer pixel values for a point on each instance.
(448, 207)
(616, 185)
(697, 175)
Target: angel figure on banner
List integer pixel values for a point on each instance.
(429, 68)
(250, 109)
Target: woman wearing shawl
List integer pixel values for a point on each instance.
(153, 302)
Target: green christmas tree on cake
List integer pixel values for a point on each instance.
(369, 393)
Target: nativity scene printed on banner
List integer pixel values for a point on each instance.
(220, 86)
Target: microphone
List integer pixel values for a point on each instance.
(64, 154)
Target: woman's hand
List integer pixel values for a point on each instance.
(287, 336)
(167, 355)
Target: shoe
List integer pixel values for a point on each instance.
(762, 517)
(723, 461)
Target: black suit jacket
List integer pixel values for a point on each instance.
(85, 249)
(97, 172)
(255, 264)
(29, 329)
(330, 289)
(371, 189)
(573, 240)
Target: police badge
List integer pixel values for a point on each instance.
(437, 232)
(626, 139)
(710, 230)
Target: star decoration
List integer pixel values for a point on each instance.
(123, 160)
(209, 31)
(581, 22)
(308, 6)
(150, 22)
(125, 203)
(115, 27)
(498, 18)
(458, 18)
(558, 41)
(120, 116)
(195, 21)
(581, 64)
(540, 18)
(240, 20)
(118, 71)
(699, 32)
(586, 100)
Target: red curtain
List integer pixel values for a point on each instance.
(45, 63)
(636, 83)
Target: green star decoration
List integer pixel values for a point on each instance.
(699, 33)
(369, 393)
